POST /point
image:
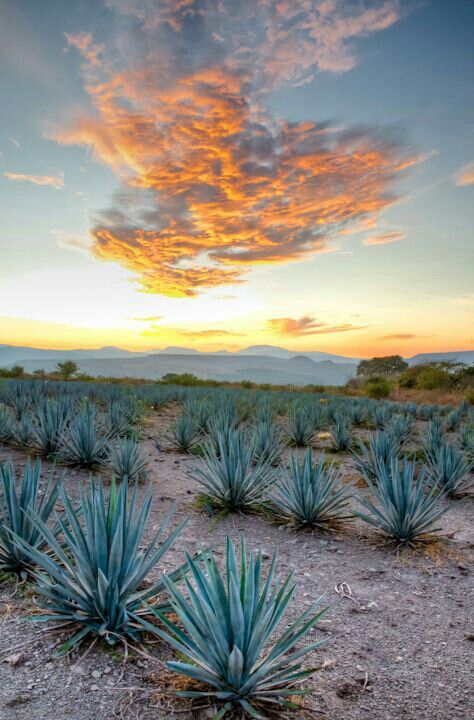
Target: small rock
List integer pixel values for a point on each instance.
(94, 688)
(96, 674)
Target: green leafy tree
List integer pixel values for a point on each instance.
(66, 369)
(387, 366)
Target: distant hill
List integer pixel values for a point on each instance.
(463, 356)
(259, 363)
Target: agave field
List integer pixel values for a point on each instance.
(205, 552)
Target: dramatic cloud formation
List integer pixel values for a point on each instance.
(306, 326)
(465, 176)
(212, 182)
(384, 238)
(55, 181)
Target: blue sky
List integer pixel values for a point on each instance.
(370, 257)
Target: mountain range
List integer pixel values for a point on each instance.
(258, 363)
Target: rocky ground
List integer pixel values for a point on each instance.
(399, 632)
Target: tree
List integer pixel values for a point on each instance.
(387, 366)
(66, 369)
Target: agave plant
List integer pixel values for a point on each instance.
(82, 444)
(406, 505)
(401, 428)
(51, 421)
(312, 495)
(381, 416)
(6, 420)
(453, 420)
(303, 423)
(466, 439)
(16, 509)
(267, 441)
(184, 432)
(92, 582)
(21, 431)
(341, 433)
(450, 469)
(433, 438)
(226, 633)
(117, 420)
(382, 449)
(127, 461)
(231, 478)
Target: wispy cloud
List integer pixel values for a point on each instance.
(160, 330)
(70, 240)
(384, 238)
(465, 175)
(306, 326)
(14, 142)
(400, 336)
(149, 318)
(55, 181)
(213, 183)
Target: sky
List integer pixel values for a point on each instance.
(222, 173)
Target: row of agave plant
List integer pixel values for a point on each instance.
(303, 421)
(88, 564)
(405, 496)
(78, 432)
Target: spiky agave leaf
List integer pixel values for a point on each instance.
(466, 439)
(16, 507)
(92, 580)
(433, 437)
(226, 631)
(229, 475)
(183, 432)
(450, 469)
(127, 461)
(405, 506)
(312, 495)
(6, 421)
(382, 448)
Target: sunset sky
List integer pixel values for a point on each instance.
(221, 173)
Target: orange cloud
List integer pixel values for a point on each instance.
(306, 326)
(55, 181)
(465, 175)
(212, 182)
(400, 336)
(384, 238)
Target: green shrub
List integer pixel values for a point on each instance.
(377, 387)
(432, 378)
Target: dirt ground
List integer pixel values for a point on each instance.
(399, 648)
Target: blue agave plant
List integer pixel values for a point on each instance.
(383, 447)
(226, 633)
(341, 434)
(229, 475)
(184, 432)
(450, 469)
(303, 423)
(267, 441)
(16, 509)
(312, 495)
(92, 581)
(127, 461)
(82, 443)
(405, 505)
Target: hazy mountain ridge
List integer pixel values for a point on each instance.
(274, 365)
